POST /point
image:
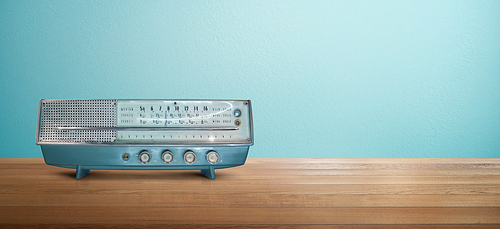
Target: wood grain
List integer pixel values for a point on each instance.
(276, 193)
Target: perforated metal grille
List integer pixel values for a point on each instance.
(77, 113)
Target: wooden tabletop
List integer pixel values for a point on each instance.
(278, 193)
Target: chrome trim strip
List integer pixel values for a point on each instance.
(148, 128)
(251, 121)
(180, 144)
(38, 122)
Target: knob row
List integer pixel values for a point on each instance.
(189, 157)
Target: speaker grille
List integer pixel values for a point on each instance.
(77, 113)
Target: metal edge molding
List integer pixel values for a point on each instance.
(134, 143)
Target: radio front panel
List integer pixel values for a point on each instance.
(145, 134)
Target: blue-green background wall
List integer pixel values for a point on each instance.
(326, 78)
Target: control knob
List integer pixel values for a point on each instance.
(144, 157)
(212, 157)
(167, 156)
(189, 157)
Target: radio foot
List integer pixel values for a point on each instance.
(80, 172)
(210, 173)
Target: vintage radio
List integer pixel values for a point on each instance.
(145, 134)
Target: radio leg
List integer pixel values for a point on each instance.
(210, 173)
(80, 172)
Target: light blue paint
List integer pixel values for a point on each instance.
(89, 157)
(326, 78)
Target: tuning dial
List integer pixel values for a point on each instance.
(144, 157)
(189, 157)
(212, 157)
(167, 156)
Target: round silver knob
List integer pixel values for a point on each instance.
(167, 156)
(212, 157)
(189, 157)
(144, 157)
(237, 113)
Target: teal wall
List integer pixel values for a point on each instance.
(326, 78)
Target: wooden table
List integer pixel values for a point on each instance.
(278, 193)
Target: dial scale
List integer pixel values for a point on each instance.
(145, 134)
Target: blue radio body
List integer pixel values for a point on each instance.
(145, 134)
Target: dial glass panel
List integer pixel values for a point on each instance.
(183, 121)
